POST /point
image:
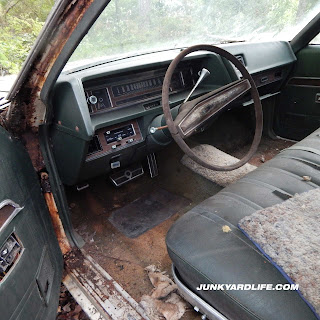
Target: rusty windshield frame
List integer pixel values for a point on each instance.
(63, 30)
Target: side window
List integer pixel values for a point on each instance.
(316, 40)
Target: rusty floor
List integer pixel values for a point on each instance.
(124, 258)
(268, 148)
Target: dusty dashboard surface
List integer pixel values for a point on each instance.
(103, 114)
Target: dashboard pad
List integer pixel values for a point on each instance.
(103, 113)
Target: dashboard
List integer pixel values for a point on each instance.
(103, 114)
(142, 87)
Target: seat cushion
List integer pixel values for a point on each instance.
(203, 253)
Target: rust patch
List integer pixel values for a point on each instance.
(30, 140)
(65, 26)
(27, 111)
(55, 218)
(101, 287)
(74, 260)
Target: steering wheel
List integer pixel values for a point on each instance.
(194, 114)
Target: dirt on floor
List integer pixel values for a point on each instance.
(68, 308)
(233, 134)
(267, 149)
(125, 259)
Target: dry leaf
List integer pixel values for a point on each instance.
(226, 228)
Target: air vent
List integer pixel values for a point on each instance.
(278, 74)
(240, 58)
(9, 254)
(94, 145)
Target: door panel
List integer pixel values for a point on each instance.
(30, 258)
(297, 111)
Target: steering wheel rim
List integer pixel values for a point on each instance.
(176, 132)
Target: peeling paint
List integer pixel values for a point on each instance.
(55, 218)
(27, 112)
(100, 288)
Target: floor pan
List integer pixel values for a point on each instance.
(126, 258)
(147, 212)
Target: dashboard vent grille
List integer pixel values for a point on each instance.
(240, 58)
(94, 145)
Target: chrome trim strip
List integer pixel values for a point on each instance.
(109, 96)
(199, 304)
(17, 209)
(100, 155)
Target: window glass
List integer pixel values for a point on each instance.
(316, 40)
(135, 26)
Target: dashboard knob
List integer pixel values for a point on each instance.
(93, 99)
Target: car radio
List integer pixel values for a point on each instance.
(119, 133)
(113, 138)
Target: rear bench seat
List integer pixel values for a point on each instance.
(201, 253)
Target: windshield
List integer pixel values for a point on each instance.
(128, 27)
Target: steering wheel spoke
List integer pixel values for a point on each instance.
(194, 114)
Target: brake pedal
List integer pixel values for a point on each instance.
(126, 175)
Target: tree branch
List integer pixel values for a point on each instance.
(11, 7)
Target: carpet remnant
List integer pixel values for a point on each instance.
(289, 235)
(218, 157)
(147, 212)
(163, 302)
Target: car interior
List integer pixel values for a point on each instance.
(134, 203)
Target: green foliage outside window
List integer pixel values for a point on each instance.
(145, 25)
(20, 24)
(132, 26)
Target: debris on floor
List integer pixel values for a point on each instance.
(163, 301)
(267, 149)
(68, 308)
(226, 229)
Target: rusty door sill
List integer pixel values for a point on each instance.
(99, 295)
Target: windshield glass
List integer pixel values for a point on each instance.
(128, 27)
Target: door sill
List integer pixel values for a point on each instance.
(99, 295)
